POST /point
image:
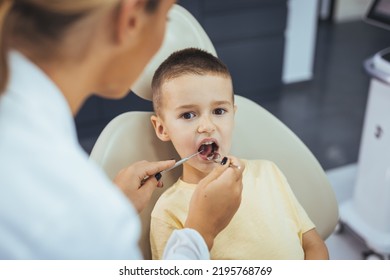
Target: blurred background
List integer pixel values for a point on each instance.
(300, 59)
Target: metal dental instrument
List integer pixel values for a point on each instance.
(216, 157)
(178, 163)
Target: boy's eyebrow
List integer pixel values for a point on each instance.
(215, 103)
(187, 106)
(222, 102)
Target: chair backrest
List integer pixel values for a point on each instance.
(268, 138)
(258, 135)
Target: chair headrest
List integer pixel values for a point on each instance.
(182, 31)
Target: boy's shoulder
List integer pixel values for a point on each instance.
(258, 167)
(258, 164)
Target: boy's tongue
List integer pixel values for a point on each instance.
(207, 151)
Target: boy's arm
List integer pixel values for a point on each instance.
(313, 246)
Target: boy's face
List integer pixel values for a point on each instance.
(196, 110)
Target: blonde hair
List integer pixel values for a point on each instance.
(4, 8)
(43, 23)
(32, 20)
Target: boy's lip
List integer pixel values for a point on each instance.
(207, 141)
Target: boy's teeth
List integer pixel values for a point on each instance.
(208, 149)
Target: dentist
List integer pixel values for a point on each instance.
(54, 202)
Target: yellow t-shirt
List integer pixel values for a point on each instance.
(269, 223)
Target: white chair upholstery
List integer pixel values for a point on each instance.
(258, 135)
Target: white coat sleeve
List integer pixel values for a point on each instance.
(186, 244)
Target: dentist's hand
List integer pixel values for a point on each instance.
(131, 181)
(216, 200)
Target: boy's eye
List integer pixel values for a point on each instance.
(188, 115)
(219, 111)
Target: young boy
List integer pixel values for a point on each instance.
(194, 104)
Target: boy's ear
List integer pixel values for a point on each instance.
(159, 128)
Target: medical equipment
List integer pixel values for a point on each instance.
(183, 160)
(379, 14)
(217, 158)
(367, 213)
(178, 163)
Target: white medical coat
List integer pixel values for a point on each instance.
(54, 202)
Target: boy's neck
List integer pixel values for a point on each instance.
(191, 175)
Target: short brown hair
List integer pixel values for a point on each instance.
(187, 61)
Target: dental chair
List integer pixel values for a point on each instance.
(130, 137)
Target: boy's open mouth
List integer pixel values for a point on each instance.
(208, 150)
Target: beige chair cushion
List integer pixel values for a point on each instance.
(260, 135)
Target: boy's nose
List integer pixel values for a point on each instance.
(206, 125)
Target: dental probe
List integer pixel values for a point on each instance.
(178, 163)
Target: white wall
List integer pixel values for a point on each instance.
(301, 33)
(346, 10)
(300, 40)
